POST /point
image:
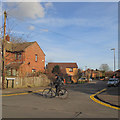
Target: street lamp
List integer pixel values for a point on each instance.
(114, 58)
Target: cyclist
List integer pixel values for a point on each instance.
(58, 82)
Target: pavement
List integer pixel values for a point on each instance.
(111, 95)
(21, 90)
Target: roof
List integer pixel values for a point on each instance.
(118, 70)
(16, 47)
(62, 66)
(13, 65)
(67, 65)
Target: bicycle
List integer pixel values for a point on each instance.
(51, 93)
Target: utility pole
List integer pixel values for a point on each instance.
(3, 51)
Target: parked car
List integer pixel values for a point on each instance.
(90, 79)
(83, 79)
(113, 82)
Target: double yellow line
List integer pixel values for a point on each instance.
(102, 103)
(25, 93)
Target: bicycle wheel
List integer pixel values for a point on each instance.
(63, 93)
(48, 93)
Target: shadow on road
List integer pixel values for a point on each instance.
(38, 94)
(94, 87)
(88, 88)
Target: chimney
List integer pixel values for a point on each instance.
(8, 38)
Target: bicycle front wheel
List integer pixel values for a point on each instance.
(63, 93)
(48, 93)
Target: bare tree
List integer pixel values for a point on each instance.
(16, 39)
(104, 67)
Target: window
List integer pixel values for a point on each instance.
(70, 69)
(33, 70)
(19, 56)
(16, 56)
(14, 72)
(36, 57)
(9, 72)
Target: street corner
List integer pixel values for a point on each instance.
(106, 100)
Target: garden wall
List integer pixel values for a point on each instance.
(21, 82)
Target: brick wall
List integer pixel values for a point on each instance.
(10, 58)
(30, 62)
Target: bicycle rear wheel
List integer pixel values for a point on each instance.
(48, 93)
(63, 93)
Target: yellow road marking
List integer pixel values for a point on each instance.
(25, 93)
(102, 103)
(15, 94)
(22, 93)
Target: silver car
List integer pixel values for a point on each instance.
(113, 82)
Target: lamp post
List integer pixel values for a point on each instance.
(114, 59)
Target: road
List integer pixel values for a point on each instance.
(77, 105)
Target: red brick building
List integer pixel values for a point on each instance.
(23, 58)
(70, 69)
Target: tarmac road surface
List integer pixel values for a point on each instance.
(77, 105)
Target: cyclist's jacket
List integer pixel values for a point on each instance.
(58, 81)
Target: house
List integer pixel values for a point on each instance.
(69, 69)
(117, 73)
(22, 59)
(94, 74)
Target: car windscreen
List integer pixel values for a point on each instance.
(111, 80)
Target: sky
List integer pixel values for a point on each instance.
(81, 32)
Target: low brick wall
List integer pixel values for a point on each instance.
(21, 82)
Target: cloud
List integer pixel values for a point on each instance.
(31, 27)
(44, 30)
(25, 10)
(84, 22)
(48, 5)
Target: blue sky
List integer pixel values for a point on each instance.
(82, 32)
